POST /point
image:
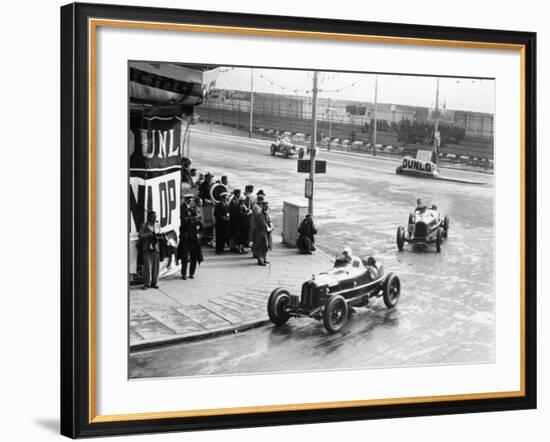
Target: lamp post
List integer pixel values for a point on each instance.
(251, 101)
(436, 124)
(375, 114)
(313, 142)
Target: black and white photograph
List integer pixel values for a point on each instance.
(286, 220)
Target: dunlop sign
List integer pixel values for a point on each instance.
(412, 165)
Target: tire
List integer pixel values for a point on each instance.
(399, 170)
(391, 290)
(301, 153)
(335, 314)
(272, 149)
(439, 240)
(446, 227)
(278, 301)
(400, 238)
(285, 153)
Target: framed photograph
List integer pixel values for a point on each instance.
(274, 220)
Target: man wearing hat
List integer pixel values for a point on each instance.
(204, 188)
(243, 225)
(262, 234)
(189, 247)
(221, 214)
(234, 220)
(256, 209)
(150, 250)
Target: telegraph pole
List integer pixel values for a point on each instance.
(251, 101)
(375, 114)
(436, 125)
(313, 141)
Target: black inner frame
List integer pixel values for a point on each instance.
(75, 219)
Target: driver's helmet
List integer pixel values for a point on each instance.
(371, 261)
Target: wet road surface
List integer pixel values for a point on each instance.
(446, 311)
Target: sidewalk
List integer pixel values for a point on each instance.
(229, 294)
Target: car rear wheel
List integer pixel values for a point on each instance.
(301, 153)
(391, 290)
(400, 238)
(277, 305)
(272, 149)
(439, 240)
(335, 314)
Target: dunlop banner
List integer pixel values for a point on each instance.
(155, 174)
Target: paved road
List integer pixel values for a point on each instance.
(446, 312)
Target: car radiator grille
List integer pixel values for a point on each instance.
(308, 295)
(420, 230)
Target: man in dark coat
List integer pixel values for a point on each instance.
(262, 234)
(306, 235)
(243, 225)
(204, 188)
(148, 237)
(234, 220)
(189, 247)
(221, 214)
(256, 210)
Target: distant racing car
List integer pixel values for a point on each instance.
(329, 296)
(283, 145)
(425, 226)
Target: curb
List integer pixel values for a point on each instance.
(159, 342)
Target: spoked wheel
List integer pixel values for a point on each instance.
(438, 240)
(301, 153)
(391, 290)
(272, 149)
(335, 314)
(400, 238)
(277, 306)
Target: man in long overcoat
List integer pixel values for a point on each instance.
(189, 247)
(221, 214)
(262, 234)
(148, 237)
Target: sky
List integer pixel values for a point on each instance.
(454, 93)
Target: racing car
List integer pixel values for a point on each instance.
(283, 145)
(425, 227)
(330, 296)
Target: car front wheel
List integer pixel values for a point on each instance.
(277, 306)
(285, 153)
(301, 153)
(439, 240)
(272, 149)
(335, 314)
(391, 290)
(400, 238)
(446, 222)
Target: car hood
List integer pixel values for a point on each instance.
(336, 276)
(323, 279)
